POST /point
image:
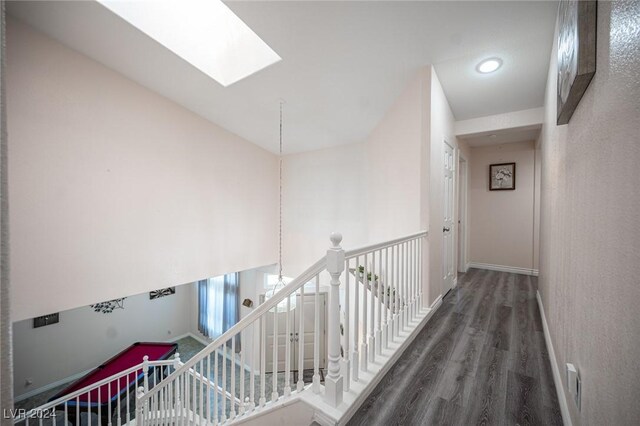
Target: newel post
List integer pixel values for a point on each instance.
(335, 265)
(145, 372)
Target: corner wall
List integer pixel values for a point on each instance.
(590, 232)
(501, 223)
(115, 190)
(384, 187)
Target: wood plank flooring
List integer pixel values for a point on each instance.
(480, 360)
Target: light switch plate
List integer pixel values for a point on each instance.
(574, 385)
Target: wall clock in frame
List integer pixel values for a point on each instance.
(502, 177)
(576, 54)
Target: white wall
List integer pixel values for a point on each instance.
(394, 151)
(83, 338)
(502, 222)
(442, 128)
(116, 190)
(378, 189)
(324, 191)
(590, 232)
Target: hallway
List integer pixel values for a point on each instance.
(481, 359)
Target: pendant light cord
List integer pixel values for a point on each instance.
(280, 203)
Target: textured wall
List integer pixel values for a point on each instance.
(116, 190)
(502, 222)
(590, 231)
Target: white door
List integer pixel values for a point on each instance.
(448, 246)
(294, 335)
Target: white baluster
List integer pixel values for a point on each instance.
(140, 420)
(243, 346)
(403, 286)
(100, 404)
(335, 265)
(201, 390)
(252, 373)
(209, 380)
(379, 306)
(146, 358)
(223, 385)
(416, 264)
(300, 384)
(364, 353)
(232, 403)
(398, 288)
(372, 307)
(385, 302)
(193, 393)
(345, 362)
(409, 281)
(216, 383)
(274, 374)
(287, 350)
(263, 360)
(355, 356)
(420, 283)
(406, 284)
(316, 340)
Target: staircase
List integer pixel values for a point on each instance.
(368, 327)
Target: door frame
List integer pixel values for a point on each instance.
(462, 240)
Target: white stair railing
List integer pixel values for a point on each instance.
(221, 384)
(92, 405)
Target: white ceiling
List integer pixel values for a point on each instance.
(343, 63)
(499, 137)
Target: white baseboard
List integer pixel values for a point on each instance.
(502, 268)
(436, 303)
(557, 378)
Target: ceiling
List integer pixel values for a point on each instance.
(499, 137)
(343, 63)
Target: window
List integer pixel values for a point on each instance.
(218, 308)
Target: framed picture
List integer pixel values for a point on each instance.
(576, 54)
(156, 294)
(502, 177)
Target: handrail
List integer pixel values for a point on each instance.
(262, 309)
(270, 303)
(350, 254)
(95, 385)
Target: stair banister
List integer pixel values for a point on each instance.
(262, 309)
(335, 265)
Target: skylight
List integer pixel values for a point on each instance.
(205, 33)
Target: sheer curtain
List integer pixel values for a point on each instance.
(218, 305)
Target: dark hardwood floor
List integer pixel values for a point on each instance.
(480, 360)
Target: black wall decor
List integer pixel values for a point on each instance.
(109, 306)
(156, 294)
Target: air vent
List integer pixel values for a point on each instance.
(46, 320)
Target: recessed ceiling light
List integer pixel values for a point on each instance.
(205, 33)
(489, 65)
